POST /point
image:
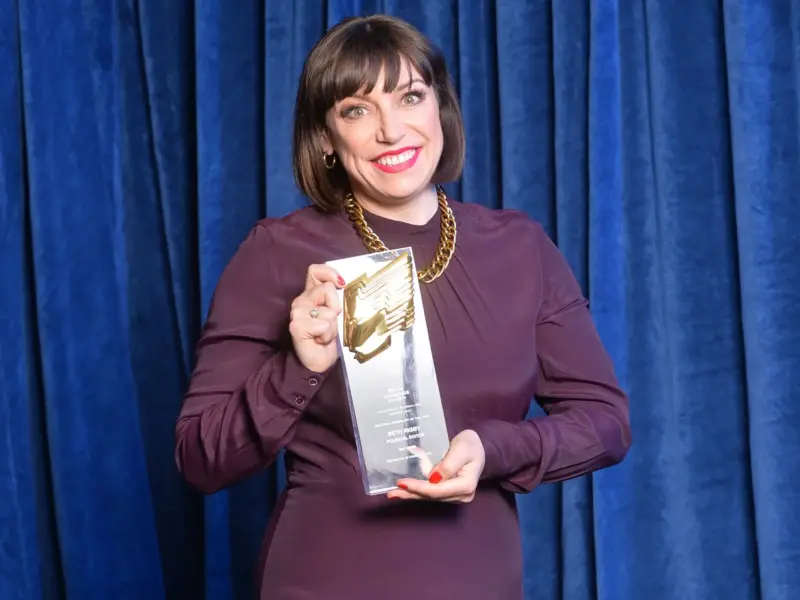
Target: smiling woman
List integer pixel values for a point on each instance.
(376, 99)
(377, 128)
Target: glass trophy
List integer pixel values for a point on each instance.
(386, 356)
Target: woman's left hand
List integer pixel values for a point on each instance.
(454, 479)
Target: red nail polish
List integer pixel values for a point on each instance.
(402, 486)
(435, 477)
(340, 280)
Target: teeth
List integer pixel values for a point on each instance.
(397, 159)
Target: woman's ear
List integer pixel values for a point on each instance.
(325, 142)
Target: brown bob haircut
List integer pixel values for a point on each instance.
(348, 60)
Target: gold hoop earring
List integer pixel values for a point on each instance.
(332, 163)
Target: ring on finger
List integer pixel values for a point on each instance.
(314, 313)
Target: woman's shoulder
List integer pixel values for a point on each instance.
(289, 238)
(297, 232)
(308, 220)
(276, 251)
(479, 219)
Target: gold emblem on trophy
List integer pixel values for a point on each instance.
(378, 305)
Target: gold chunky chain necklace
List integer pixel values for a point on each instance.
(447, 241)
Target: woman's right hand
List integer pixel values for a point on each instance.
(313, 322)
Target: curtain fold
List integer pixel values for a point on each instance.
(657, 142)
(763, 67)
(686, 347)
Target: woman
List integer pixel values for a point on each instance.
(377, 127)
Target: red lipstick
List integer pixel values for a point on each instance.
(400, 167)
(395, 152)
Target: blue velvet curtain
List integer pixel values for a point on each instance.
(658, 142)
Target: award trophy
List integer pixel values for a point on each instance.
(386, 356)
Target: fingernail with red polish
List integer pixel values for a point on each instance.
(340, 280)
(435, 477)
(402, 486)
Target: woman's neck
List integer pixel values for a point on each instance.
(417, 210)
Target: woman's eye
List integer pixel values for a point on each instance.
(412, 98)
(354, 112)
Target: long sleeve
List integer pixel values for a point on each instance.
(248, 390)
(587, 425)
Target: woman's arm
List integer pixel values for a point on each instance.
(246, 394)
(587, 426)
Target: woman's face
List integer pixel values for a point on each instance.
(389, 143)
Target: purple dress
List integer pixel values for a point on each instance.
(507, 321)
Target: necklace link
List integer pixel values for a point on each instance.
(447, 239)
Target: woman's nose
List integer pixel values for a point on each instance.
(392, 127)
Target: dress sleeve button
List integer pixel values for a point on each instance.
(298, 400)
(313, 381)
